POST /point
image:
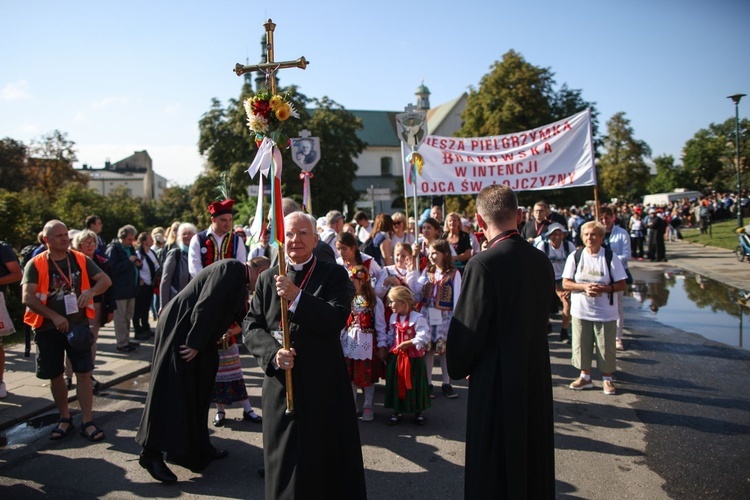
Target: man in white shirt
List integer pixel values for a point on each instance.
(364, 227)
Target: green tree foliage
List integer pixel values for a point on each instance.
(13, 170)
(50, 164)
(668, 175)
(229, 146)
(174, 205)
(710, 156)
(517, 96)
(623, 172)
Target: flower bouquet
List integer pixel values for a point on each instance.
(266, 114)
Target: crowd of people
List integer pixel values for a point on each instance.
(368, 300)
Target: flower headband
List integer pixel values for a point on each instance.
(360, 274)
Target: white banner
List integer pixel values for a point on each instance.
(558, 155)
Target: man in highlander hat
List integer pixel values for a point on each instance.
(218, 241)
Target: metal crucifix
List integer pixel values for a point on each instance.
(269, 68)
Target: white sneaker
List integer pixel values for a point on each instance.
(3, 390)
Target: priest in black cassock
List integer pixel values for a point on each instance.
(175, 418)
(316, 452)
(498, 337)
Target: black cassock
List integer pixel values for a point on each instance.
(498, 336)
(317, 452)
(175, 418)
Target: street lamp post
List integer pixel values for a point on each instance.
(736, 100)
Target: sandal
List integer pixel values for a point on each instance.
(58, 432)
(96, 435)
(219, 419)
(395, 418)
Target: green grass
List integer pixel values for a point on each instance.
(720, 234)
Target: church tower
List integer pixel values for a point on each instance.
(423, 97)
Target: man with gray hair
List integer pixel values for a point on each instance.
(316, 453)
(334, 226)
(125, 267)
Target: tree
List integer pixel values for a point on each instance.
(710, 156)
(623, 172)
(668, 176)
(13, 170)
(229, 146)
(174, 205)
(51, 164)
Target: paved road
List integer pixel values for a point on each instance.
(678, 428)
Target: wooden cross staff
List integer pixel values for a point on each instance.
(269, 68)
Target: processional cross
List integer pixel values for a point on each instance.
(269, 68)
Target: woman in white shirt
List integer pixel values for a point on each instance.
(594, 306)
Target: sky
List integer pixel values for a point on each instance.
(119, 77)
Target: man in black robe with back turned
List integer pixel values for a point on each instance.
(175, 418)
(498, 337)
(316, 452)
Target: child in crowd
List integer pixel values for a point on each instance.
(402, 272)
(438, 288)
(230, 382)
(358, 342)
(406, 375)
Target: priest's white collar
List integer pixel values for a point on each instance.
(298, 267)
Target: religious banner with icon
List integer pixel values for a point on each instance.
(411, 128)
(306, 154)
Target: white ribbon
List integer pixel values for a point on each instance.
(262, 162)
(258, 221)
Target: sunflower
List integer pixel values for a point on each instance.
(283, 111)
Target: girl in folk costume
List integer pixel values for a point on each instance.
(406, 384)
(364, 340)
(230, 382)
(431, 231)
(350, 256)
(438, 289)
(401, 273)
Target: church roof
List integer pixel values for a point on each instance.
(379, 128)
(438, 114)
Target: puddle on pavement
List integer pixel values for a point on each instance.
(29, 430)
(693, 303)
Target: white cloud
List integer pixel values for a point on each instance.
(15, 91)
(79, 117)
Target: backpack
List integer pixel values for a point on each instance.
(368, 247)
(705, 212)
(26, 253)
(608, 255)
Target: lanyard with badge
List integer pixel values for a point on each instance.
(70, 300)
